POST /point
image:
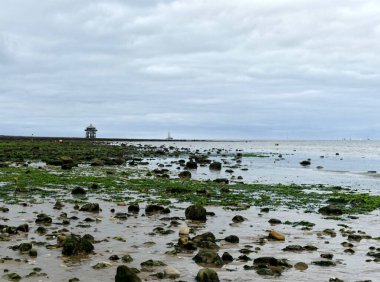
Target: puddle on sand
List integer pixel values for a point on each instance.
(138, 243)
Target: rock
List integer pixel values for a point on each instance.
(209, 258)
(154, 209)
(43, 219)
(324, 263)
(171, 273)
(227, 258)
(305, 163)
(23, 228)
(222, 180)
(102, 265)
(191, 165)
(238, 219)
(78, 191)
(97, 162)
(207, 275)
(58, 205)
(215, 166)
(330, 210)
(75, 245)
(126, 274)
(33, 252)
(90, 207)
(13, 277)
(271, 261)
(184, 174)
(354, 237)
(293, 248)
(25, 248)
(276, 235)
(152, 263)
(114, 257)
(266, 210)
(41, 230)
(301, 266)
(208, 236)
(274, 221)
(195, 212)
(232, 239)
(327, 256)
(127, 258)
(134, 208)
(184, 231)
(334, 279)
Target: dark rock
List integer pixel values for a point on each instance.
(127, 259)
(33, 252)
(126, 274)
(154, 209)
(293, 248)
(210, 258)
(207, 275)
(25, 247)
(327, 256)
(305, 163)
(97, 162)
(23, 228)
(195, 212)
(43, 219)
(238, 219)
(90, 207)
(134, 208)
(274, 221)
(184, 174)
(152, 263)
(324, 263)
(226, 257)
(222, 180)
(191, 165)
(58, 205)
(114, 257)
(208, 236)
(78, 191)
(75, 245)
(232, 239)
(330, 210)
(215, 166)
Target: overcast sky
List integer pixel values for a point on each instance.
(241, 69)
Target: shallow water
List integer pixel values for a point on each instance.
(349, 168)
(136, 228)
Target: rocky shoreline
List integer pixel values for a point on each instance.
(80, 211)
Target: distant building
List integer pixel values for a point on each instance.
(90, 132)
(169, 137)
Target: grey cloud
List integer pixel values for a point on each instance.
(217, 69)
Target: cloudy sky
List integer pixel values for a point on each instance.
(242, 69)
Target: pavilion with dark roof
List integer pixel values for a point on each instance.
(90, 132)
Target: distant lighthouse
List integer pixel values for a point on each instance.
(169, 137)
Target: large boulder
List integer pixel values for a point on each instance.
(75, 245)
(184, 174)
(215, 166)
(195, 212)
(208, 258)
(207, 275)
(191, 165)
(90, 207)
(330, 210)
(126, 274)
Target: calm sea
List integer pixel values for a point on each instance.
(353, 164)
